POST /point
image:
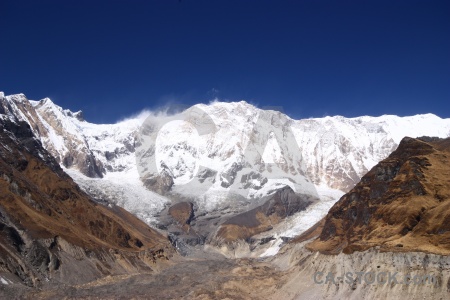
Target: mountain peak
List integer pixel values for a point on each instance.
(47, 102)
(77, 115)
(17, 98)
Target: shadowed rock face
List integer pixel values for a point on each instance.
(160, 184)
(401, 204)
(51, 230)
(284, 203)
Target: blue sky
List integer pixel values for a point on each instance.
(314, 58)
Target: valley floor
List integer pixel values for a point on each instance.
(289, 275)
(212, 278)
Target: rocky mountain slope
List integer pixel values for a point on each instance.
(394, 222)
(56, 238)
(302, 267)
(244, 155)
(235, 233)
(282, 204)
(52, 232)
(299, 273)
(89, 151)
(401, 204)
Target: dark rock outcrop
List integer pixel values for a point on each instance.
(182, 212)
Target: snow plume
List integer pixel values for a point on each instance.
(142, 115)
(166, 110)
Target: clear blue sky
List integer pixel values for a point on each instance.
(313, 58)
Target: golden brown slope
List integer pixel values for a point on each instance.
(48, 223)
(402, 204)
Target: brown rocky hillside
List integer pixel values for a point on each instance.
(401, 204)
(51, 231)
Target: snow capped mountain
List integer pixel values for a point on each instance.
(249, 153)
(89, 152)
(227, 160)
(344, 149)
(333, 151)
